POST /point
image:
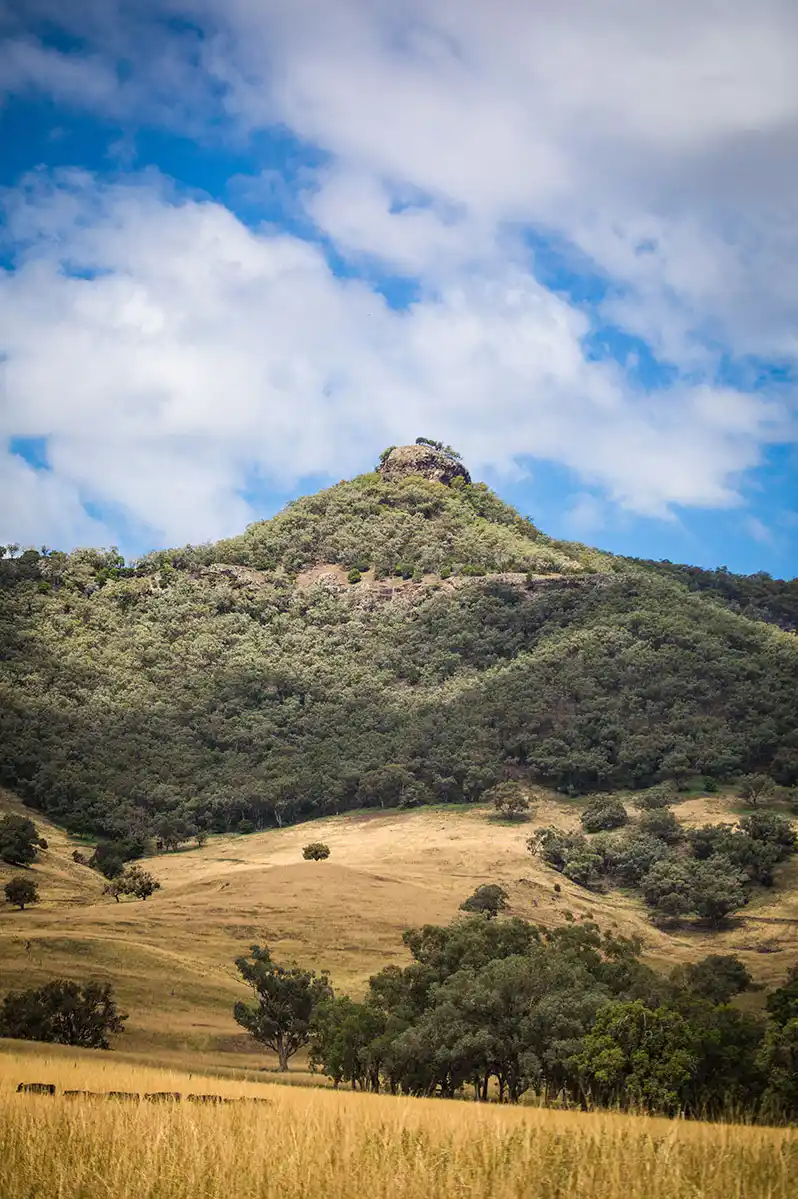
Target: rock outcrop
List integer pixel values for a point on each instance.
(422, 460)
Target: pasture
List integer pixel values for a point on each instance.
(170, 958)
(308, 1144)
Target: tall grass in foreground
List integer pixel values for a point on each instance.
(325, 1145)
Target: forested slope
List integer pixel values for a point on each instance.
(221, 683)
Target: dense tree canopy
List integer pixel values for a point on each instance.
(500, 1007)
(210, 688)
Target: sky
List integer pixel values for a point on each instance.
(245, 245)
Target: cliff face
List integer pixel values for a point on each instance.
(422, 460)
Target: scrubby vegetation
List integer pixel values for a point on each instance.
(316, 851)
(206, 689)
(708, 872)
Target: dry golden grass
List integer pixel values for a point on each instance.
(309, 1144)
(171, 958)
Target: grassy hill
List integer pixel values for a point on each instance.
(171, 957)
(387, 642)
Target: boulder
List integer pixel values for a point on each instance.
(423, 460)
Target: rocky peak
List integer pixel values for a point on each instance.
(423, 460)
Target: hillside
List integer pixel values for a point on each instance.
(387, 871)
(393, 640)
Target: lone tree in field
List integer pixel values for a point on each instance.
(19, 840)
(490, 899)
(20, 891)
(134, 881)
(509, 801)
(285, 1000)
(63, 1012)
(317, 851)
(754, 788)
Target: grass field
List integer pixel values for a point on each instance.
(171, 958)
(309, 1144)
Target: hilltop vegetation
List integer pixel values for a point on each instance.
(234, 686)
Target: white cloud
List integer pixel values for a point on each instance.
(658, 140)
(167, 352)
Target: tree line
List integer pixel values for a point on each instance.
(496, 1008)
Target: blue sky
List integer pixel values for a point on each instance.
(247, 246)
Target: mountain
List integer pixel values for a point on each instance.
(401, 638)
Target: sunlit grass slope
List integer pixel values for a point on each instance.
(170, 958)
(309, 1144)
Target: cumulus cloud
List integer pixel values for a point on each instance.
(167, 352)
(655, 141)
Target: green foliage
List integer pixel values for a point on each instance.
(206, 688)
(656, 797)
(316, 851)
(711, 889)
(133, 881)
(755, 788)
(717, 890)
(756, 596)
(285, 1001)
(109, 857)
(19, 840)
(566, 1011)
(354, 576)
(437, 445)
(509, 800)
(21, 891)
(662, 824)
(716, 978)
(63, 1012)
(173, 831)
(556, 846)
(667, 887)
(489, 898)
(603, 812)
(629, 860)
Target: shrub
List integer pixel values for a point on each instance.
(19, 840)
(772, 829)
(632, 858)
(245, 826)
(555, 846)
(354, 576)
(661, 823)
(509, 800)
(64, 1013)
(584, 868)
(20, 891)
(604, 812)
(316, 851)
(667, 888)
(717, 888)
(754, 788)
(655, 797)
(490, 898)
